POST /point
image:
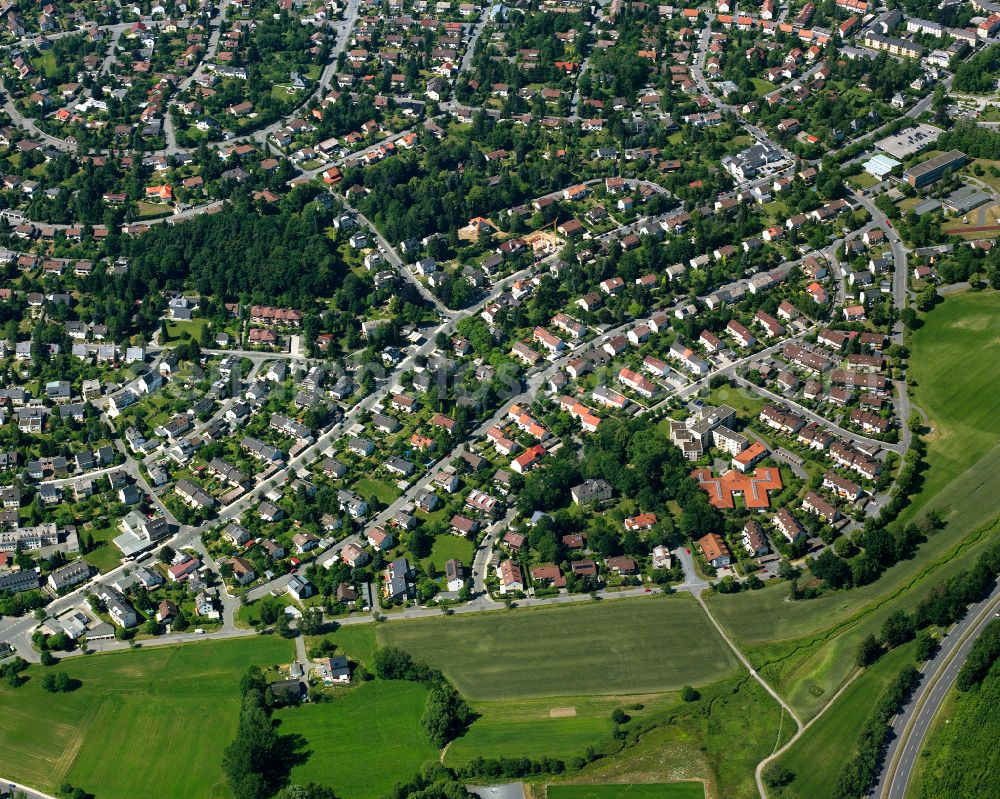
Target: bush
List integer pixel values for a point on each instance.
(868, 652)
(689, 694)
(775, 776)
(982, 655)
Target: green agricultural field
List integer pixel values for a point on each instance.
(535, 728)
(611, 647)
(837, 731)
(108, 735)
(364, 742)
(955, 367)
(663, 790)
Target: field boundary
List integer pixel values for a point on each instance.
(758, 772)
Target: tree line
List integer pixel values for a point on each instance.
(446, 715)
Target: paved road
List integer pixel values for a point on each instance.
(815, 417)
(390, 254)
(899, 297)
(477, 30)
(910, 727)
(16, 791)
(343, 29)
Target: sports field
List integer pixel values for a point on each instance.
(141, 718)
(364, 742)
(664, 790)
(589, 648)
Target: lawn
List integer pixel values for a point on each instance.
(380, 490)
(955, 366)
(104, 558)
(745, 403)
(148, 210)
(610, 647)
(103, 735)
(447, 547)
(862, 180)
(364, 742)
(809, 758)
(357, 641)
(47, 63)
(762, 86)
(986, 177)
(193, 327)
(663, 790)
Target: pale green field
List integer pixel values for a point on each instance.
(610, 647)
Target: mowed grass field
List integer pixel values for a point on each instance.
(447, 547)
(590, 648)
(665, 790)
(536, 728)
(140, 718)
(364, 742)
(807, 648)
(956, 365)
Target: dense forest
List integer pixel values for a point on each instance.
(285, 259)
(974, 141)
(979, 73)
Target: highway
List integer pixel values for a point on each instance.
(910, 728)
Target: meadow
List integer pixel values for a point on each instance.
(536, 728)
(601, 648)
(665, 790)
(718, 740)
(837, 731)
(363, 742)
(146, 717)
